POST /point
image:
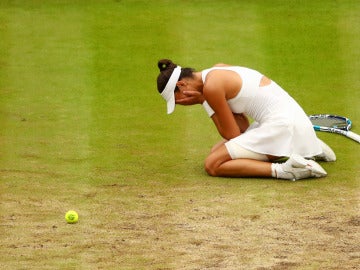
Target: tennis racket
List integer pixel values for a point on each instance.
(334, 124)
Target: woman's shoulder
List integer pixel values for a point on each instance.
(219, 74)
(221, 65)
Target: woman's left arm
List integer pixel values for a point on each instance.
(191, 98)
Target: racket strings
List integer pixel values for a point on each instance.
(330, 122)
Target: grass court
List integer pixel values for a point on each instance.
(83, 128)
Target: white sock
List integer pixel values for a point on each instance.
(274, 168)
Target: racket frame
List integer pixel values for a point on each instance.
(344, 130)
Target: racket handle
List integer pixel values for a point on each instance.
(353, 136)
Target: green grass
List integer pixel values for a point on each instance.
(82, 127)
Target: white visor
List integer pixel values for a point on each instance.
(168, 92)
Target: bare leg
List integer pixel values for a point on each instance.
(219, 163)
(244, 168)
(217, 146)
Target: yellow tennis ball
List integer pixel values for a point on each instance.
(71, 217)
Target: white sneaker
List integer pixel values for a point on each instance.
(297, 167)
(327, 154)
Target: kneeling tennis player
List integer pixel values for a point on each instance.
(231, 94)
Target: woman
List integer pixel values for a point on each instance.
(229, 94)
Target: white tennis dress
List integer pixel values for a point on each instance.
(281, 127)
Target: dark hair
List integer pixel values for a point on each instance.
(166, 68)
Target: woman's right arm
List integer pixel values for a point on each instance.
(242, 121)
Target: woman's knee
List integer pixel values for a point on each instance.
(215, 160)
(210, 166)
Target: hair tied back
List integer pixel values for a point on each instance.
(165, 64)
